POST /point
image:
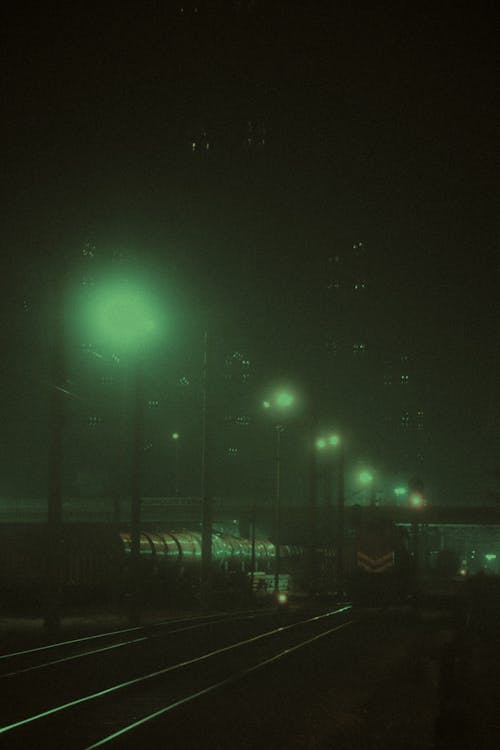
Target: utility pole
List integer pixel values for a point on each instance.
(52, 616)
(252, 559)
(313, 502)
(135, 505)
(340, 521)
(206, 481)
(277, 510)
(328, 488)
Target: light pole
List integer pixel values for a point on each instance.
(207, 467)
(52, 598)
(366, 478)
(252, 559)
(325, 443)
(122, 315)
(277, 509)
(175, 438)
(282, 401)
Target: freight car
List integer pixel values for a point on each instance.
(95, 561)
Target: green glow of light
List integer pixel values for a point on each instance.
(284, 399)
(399, 491)
(122, 315)
(175, 436)
(320, 443)
(416, 501)
(266, 404)
(365, 477)
(333, 440)
(490, 557)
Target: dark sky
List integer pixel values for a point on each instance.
(381, 124)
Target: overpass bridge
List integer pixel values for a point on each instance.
(182, 511)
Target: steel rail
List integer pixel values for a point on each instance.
(216, 686)
(165, 670)
(113, 646)
(111, 633)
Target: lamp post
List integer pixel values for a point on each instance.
(206, 488)
(366, 478)
(121, 316)
(175, 438)
(52, 598)
(253, 521)
(282, 401)
(325, 443)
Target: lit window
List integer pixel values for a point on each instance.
(94, 420)
(358, 349)
(420, 419)
(184, 381)
(243, 420)
(88, 250)
(404, 379)
(153, 404)
(233, 451)
(331, 346)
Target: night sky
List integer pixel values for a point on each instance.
(380, 124)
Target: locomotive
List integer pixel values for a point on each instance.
(381, 565)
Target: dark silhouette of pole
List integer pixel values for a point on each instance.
(252, 559)
(135, 506)
(176, 467)
(328, 491)
(206, 468)
(312, 506)
(52, 615)
(340, 520)
(277, 514)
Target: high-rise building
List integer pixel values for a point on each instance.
(371, 386)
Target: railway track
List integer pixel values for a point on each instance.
(107, 689)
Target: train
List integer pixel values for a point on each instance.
(382, 567)
(94, 562)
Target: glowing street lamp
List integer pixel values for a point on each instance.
(281, 402)
(175, 438)
(365, 477)
(333, 441)
(122, 316)
(416, 500)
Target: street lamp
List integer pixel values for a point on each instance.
(280, 402)
(122, 315)
(324, 443)
(175, 438)
(400, 491)
(366, 478)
